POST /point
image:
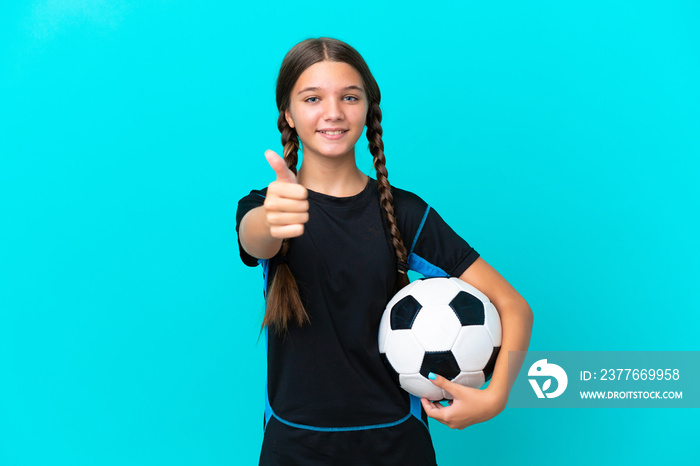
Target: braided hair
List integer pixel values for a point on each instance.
(376, 148)
(284, 304)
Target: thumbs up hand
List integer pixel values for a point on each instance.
(286, 205)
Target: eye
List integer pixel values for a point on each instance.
(350, 98)
(311, 99)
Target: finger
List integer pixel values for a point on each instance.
(433, 409)
(433, 405)
(287, 190)
(287, 231)
(280, 167)
(440, 381)
(287, 218)
(277, 204)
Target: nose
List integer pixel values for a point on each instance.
(332, 110)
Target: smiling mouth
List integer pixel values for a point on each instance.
(334, 133)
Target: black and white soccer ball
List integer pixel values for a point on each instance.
(440, 325)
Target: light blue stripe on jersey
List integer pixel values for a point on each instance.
(343, 429)
(420, 228)
(416, 409)
(266, 268)
(425, 268)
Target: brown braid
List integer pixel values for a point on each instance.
(283, 301)
(376, 148)
(290, 142)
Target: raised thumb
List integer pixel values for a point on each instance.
(280, 167)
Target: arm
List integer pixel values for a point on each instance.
(470, 405)
(255, 235)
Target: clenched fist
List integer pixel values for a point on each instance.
(286, 204)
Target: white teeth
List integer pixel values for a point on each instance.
(332, 132)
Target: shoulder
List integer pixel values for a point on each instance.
(254, 198)
(435, 248)
(411, 212)
(255, 193)
(407, 202)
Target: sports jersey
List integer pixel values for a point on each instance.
(329, 399)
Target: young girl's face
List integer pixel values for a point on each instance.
(328, 109)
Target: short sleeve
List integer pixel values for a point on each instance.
(256, 198)
(439, 245)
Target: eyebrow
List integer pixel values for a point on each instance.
(307, 89)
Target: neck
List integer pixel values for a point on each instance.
(338, 177)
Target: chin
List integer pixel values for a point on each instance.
(335, 152)
(338, 154)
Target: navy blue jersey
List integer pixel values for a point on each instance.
(326, 379)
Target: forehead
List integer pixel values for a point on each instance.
(329, 76)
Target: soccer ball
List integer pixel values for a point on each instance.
(440, 325)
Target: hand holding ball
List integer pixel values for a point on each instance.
(440, 325)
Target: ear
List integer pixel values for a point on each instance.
(288, 117)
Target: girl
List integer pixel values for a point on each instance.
(335, 245)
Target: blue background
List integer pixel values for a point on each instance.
(559, 138)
